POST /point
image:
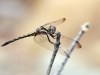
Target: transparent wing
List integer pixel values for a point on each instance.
(43, 41)
(66, 42)
(54, 23)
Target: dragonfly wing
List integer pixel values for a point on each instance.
(66, 42)
(54, 23)
(43, 41)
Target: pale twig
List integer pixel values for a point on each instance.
(84, 28)
(56, 47)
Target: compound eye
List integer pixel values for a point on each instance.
(52, 29)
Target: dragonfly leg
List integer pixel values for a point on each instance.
(43, 32)
(49, 39)
(43, 28)
(53, 36)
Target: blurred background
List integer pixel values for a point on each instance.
(25, 57)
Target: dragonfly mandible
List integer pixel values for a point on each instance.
(45, 36)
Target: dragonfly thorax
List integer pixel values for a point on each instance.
(52, 29)
(37, 32)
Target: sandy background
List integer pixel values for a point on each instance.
(25, 57)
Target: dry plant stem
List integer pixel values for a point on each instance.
(56, 47)
(81, 32)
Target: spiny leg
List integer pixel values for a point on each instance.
(43, 28)
(45, 33)
(54, 37)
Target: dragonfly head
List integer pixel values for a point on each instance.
(52, 29)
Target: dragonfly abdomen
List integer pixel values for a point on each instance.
(21, 37)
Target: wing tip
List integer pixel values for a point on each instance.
(64, 19)
(79, 45)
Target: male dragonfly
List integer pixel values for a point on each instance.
(45, 36)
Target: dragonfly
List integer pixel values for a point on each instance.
(45, 36)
